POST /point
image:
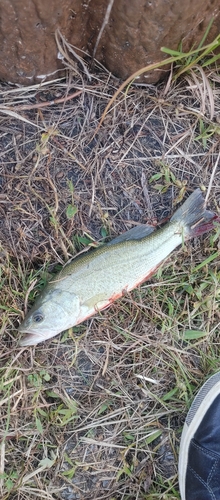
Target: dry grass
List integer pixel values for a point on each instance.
(97, 412)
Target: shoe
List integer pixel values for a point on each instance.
(199, 457)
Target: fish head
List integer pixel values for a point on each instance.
(53, 312)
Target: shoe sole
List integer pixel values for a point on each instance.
(199, 407)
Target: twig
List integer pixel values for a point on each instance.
(211, 179)
(71, 50)
(32, 285)
(146, 194)
(48, 103)
(41, 104)
(105, 21)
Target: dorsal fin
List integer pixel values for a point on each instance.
(135, 233)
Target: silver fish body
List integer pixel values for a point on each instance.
(92, 281)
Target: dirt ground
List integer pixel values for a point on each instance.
(97, 412)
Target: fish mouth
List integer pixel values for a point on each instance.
(30, 338)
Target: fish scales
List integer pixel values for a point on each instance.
(128, 263)
(95, 279)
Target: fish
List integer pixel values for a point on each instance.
(95, 279)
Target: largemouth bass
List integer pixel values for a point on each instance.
(92, 281)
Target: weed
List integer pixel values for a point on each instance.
(101, 407)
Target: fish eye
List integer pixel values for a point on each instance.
(38, 317)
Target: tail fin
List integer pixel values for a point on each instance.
(193, 215)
